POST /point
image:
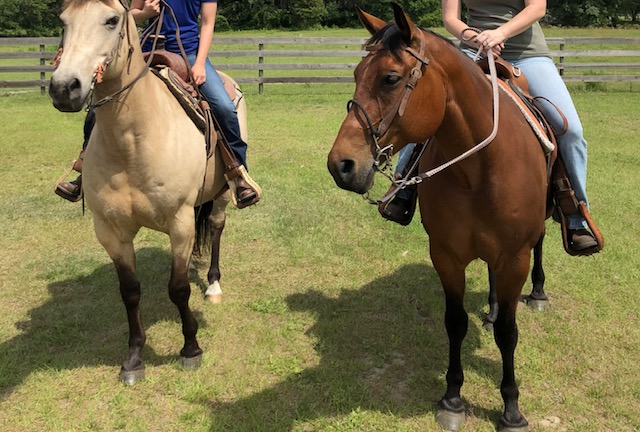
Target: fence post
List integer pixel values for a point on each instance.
(260, 71)
(561, 58)
(42, 73)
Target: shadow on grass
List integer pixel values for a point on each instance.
(84, 323)
(381, 348)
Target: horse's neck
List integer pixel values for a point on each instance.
(468, 118)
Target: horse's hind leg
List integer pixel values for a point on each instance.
(182, 240)
(217, 219)
(510, 277)
(123, 256)
(537, 299)
(490, 318)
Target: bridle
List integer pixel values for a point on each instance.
(382, 157)
(98, 74)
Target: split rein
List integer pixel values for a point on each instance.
(382, 160)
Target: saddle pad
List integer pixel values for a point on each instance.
(537, 128)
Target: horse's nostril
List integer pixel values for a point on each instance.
(346, 166)
(74, 85)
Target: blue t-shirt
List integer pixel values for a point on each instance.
(187, 13)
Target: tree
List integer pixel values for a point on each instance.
(41, 19)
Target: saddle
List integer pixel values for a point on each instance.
(561, 200)
(173, 70)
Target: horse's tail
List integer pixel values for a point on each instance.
(204, 231)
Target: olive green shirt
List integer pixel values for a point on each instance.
(490, 14)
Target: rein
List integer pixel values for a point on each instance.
(383, 154)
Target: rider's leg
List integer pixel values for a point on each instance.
(545, 81)
(72, 190)
(214, 92)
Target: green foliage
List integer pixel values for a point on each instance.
(29, 18)
(40, 17)
(307, 13)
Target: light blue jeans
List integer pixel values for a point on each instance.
(214, 92)
(545, 81)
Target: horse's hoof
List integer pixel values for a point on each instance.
(131, 377)
(535, 304)
(513, 429)
(518, 425)
(191, 362)
(449, 420)
(488, 326)
(215, 298)
(214, 293)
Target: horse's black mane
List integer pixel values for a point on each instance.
(390, 38)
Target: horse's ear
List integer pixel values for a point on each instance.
(404, 23)
(371, 23)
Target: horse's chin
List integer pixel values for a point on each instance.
(66, 106)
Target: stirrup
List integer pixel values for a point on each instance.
(242, 172)
(582, 207)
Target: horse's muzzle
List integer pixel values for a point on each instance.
(67, 94)
(348, 176)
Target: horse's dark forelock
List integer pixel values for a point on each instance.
(391, 39)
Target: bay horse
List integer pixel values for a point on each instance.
(415, 85)
(145, 164)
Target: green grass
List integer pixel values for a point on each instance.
(332, 318)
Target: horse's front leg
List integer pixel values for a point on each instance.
(451, 409)
(537, 299)
(119, 245)
(217, 219)
(181, 234)
(510, 278)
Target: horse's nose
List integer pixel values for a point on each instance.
(343, 171)
(346, 170)
(66, 93)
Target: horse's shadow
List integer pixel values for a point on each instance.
(84, 323)
(381, 348)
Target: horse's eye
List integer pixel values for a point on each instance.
(392, 79)
(113, 21)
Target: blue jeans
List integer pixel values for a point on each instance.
(403, 160)
(544, 80)
(214, 92)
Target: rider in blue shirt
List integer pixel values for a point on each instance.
(195, 38)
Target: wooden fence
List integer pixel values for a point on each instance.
(25, 62)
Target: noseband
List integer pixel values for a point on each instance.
(383, 154)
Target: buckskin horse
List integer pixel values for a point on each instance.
(486, 202)
(145, 165)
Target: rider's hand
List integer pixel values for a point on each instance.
(199, 75)
(151, 7)
(490, 38)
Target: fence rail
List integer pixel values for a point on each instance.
(25, 62)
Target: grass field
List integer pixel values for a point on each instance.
(332, 319)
